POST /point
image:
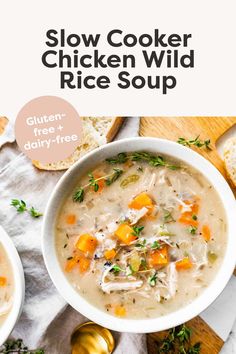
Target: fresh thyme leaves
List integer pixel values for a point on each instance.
(141, 244)
(120, 158)
(178, 340)
(93, 182)
(196, 142)
(195, 349)
(152, 160)
(167, 345)
(116, 269)
(144, 264)
(192, 230)
(141, 156)
(17, 347)
(152, 279)
(168, 216)
(156, 245)
(34, 213)
(137, 230)
(21, 207)
(79, 195)
(184, 334)
(117, 173)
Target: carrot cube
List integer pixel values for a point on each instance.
(120, 311)
(3, 281)
(82, 263)
(140, 201)
(86, 243)
(125, 234)
(206, 232)
(184, 264)
(109, 254)
(71, 219)
(159, 257)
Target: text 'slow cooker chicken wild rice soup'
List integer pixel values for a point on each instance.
(141, 235)
(6, 285)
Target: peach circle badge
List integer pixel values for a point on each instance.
(48, 129)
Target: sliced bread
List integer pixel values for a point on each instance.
(96, 132)
(3, 123)
(230, 159)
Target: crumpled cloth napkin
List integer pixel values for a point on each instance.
(46, 321)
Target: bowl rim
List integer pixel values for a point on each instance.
(19, 286)
(184, 314)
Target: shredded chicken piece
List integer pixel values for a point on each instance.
(152, 181)
(186, 207)
(134, 215)
(125, 285)
(162, 177)
(172, 279)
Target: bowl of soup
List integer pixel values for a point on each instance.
(12, 286)
(139, 235)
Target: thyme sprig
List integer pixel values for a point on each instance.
(144, 156)
(17, 347)
(120, 158)
(117, 173)
(93, 182)
(156, 245)
(21, 207)
(152, 160)
(196, 142)
(152, 279)
(137, 230)
(178, 340)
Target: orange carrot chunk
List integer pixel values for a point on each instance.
(3, 281)
(140, 201)
(206, 232)
(86, 243)
(120, 311)
(109, 254)
(81, 262)
(84, 264)
(159, 257)
(187, 219)
(184, 264)
(125, 234)
(100, 182)
(71, 219)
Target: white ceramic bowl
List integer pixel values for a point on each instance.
(69, 180)
(19, 286)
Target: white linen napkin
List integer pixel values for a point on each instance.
(47, 321)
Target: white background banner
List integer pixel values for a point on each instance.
(206, 89)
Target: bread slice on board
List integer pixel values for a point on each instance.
(230, 159)
(3, 123)
(96, 132)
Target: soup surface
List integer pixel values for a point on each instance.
(141, 235)
(6, 285)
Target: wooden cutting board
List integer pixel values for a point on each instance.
(190, 127)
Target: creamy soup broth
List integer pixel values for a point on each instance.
(6, 285)
(145, 243)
